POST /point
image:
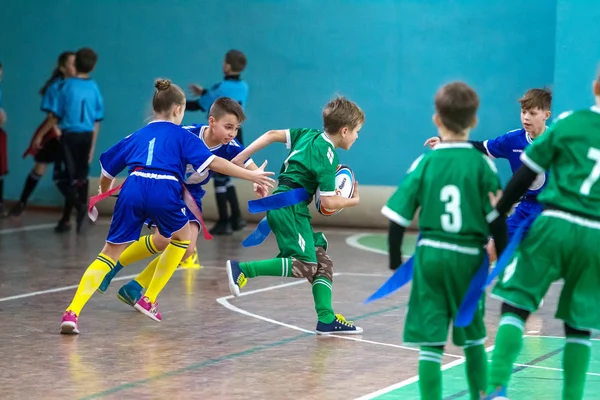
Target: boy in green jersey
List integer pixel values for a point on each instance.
(311, 165)
(562, 243)
(454, 186)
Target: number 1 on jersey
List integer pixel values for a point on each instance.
(586, 186)
(452, 219)
(150, 151)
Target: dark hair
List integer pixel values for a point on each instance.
(226, 106)
(536, 98)
(166, 96)
(57, 73)
(456, 104)
(341, 112)
(85, 60)
(237, 60)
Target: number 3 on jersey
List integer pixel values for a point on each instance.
(594, 155)
(452, 218)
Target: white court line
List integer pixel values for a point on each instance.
(224, 301)
(64, 288)
(352, 241)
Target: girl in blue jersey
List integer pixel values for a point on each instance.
(47, 134)
(225, 117)
(156, 156)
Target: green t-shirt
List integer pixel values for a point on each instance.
(451, 185)
(570, 151)
(312, 161)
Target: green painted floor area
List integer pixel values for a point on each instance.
(378, 241)
(541, 380)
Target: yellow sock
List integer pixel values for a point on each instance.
(145, 277)
(167, 264)
(90, 281)
(138, 250)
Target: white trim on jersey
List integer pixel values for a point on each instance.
(595, 109)
(443, 145)
(326, 194)
(206, 164)
(288, 139)
(326, 137)
(201, 136)
(160, 120)
(574, 219)
(394, 216)
(250, 161)
(149, 175)
(106, 174)
(485, 145)
(532, 164)
(473, 251)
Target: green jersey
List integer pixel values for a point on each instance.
(312, 162)
(570, 151)
(451, 185)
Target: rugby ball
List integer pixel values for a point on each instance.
(344, 186)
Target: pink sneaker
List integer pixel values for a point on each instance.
(149, 309)
(69, 323)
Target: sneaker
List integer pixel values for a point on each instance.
(17, 209)
(237, 279)
(221, 228)
(69, 323)
(109, 277)
(498, 394)
(130, 293)
(339, 326)
(149, 309)
(191, 262)
(237, 224)
(63, 226)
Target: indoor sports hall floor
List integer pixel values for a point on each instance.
(210, 346)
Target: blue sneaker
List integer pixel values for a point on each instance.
(109, 277)
(498, 394)
(237, 279)
(130, 293)
(339, 326)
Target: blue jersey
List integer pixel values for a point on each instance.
(232, 87)
(510, 146)
(79, 105)
(50, 97)
(194, 180)
(160, 146)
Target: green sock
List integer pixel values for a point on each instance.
(575, 365)
(476, 367)
(272, 267)
(321, 289)
(509, 341)
(430, 373)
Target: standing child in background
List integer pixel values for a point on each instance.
(156, 156)
(562, 243)
(311, 165)
(78, 111)
(50, 151)
(224, 121)
(535, 111)
(233, 87)
(3, 151)
(453, 185)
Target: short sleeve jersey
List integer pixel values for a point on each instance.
(570, 152)
(510, 146)
(160, 147)
(451, 185)
(312, 161)
(79, 106)
(50, 97)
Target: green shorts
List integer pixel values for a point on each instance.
(294, 234)
(441, 278)
(558, 245)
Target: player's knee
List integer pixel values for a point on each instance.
(303, 269)
(189, 251)
(159, 241)
(570, 331)
(324, 264)
(507, 308)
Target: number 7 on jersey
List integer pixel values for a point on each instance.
(586, 186)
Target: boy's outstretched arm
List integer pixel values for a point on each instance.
(258, 176)
(263, 141)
